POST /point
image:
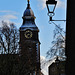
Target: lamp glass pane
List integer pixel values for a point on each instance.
(51, 7)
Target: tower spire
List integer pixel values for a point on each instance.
(28, 1)
(28, 4)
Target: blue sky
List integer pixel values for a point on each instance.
(12, 10)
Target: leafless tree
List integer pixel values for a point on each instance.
(58, 47)
(13, 59)
(9, 49)
(9, 38)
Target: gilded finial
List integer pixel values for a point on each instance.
(28, 5)
(28, 1)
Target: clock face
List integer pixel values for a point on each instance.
(28, 34)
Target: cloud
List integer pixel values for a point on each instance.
(45, 64)
(8, 11)
(42, 4)
(4, 11)
(8, 16)
(60, 4)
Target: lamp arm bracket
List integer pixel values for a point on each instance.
(56, 20)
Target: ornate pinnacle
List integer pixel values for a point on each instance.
(28, 1)
(28, 6)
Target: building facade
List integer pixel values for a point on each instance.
(57, 68)
(29, 43)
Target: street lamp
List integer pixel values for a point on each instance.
(51, 4)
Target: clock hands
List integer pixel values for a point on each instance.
(28, 34)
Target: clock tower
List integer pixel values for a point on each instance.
(29, 43)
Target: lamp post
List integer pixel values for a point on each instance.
(70, 37)
(51, 4)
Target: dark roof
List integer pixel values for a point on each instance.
(28, 12)
(28, 20)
